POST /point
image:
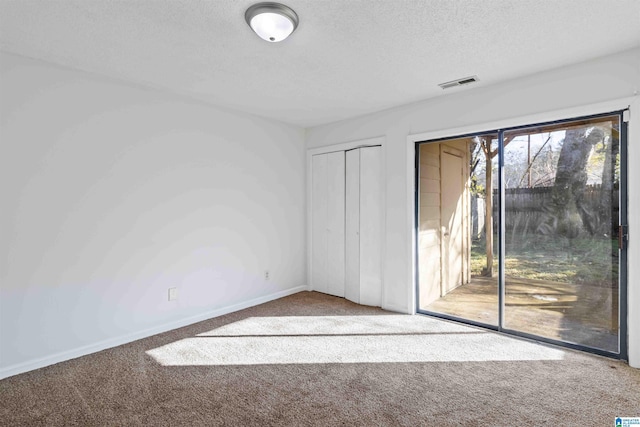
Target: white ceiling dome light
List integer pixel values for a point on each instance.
(272, 22)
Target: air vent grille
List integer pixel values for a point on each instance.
(459, 82)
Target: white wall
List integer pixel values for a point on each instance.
(545, 96)
(111, 194)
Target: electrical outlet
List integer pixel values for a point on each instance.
(173, 294)
(266, 275)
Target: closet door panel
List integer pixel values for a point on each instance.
(335, 223)
(370, 227)
(319, 197)
(352, 222)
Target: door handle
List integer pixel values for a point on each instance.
(622, 236)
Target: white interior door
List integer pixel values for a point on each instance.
(347, 224)
(370, 226)
(363, 226)
(335, 223)
(352, 222)
(319, 198)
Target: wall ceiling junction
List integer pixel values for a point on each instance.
(347, 57)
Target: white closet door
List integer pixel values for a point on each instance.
(370, 226)
(319, 197)
(347, 224)
(352, 222)
(335, 223)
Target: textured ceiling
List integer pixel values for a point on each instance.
(347, 57)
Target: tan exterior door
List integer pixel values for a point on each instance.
(451, 219)
(444, 215)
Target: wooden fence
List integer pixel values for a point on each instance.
(526, 208)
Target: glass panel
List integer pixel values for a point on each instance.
(457, 263)
(561, 220)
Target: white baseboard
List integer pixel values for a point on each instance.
(30, 365)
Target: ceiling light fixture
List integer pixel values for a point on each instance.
(272, 22)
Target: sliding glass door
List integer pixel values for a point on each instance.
(522, 230)
(457, 242)
(562, 263)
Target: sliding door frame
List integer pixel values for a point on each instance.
(416, 141)
(416, 243)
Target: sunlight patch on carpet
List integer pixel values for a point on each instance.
(346, 339)
(337, 325)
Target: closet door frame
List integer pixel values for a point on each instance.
(378, 141)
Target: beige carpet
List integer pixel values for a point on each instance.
(312, 359)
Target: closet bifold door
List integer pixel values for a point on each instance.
(335, 223)
(370, 227)
(328, 230)
(352, 223)
(363, 226)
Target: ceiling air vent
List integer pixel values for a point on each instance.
(459, 82)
